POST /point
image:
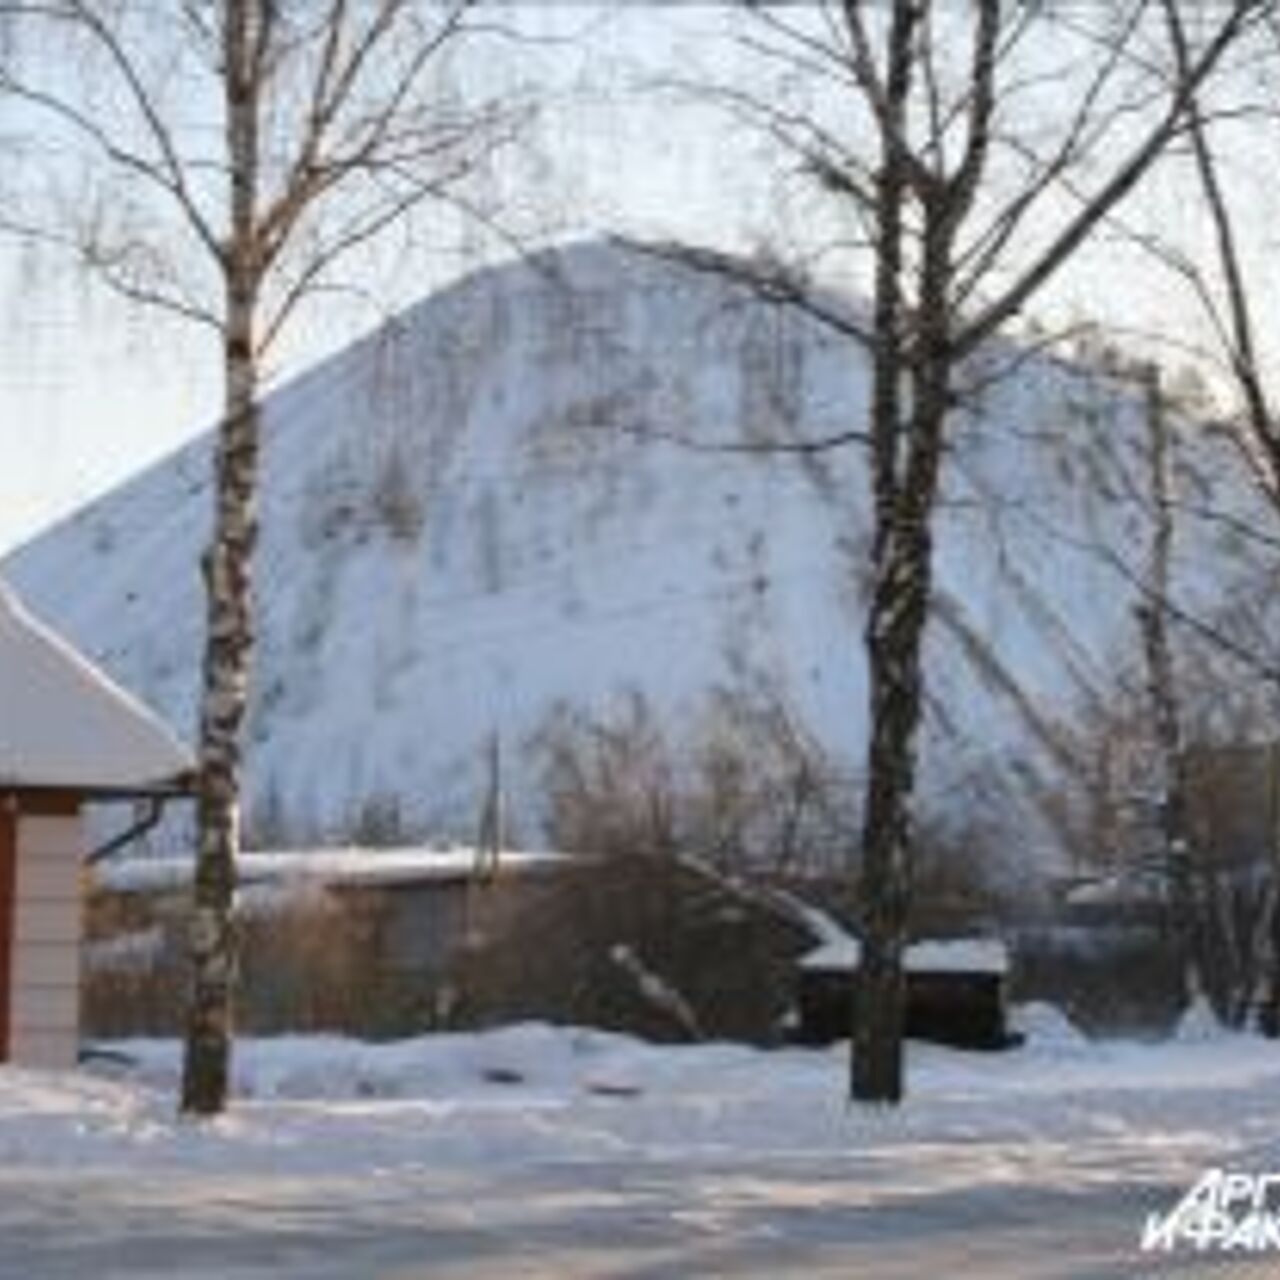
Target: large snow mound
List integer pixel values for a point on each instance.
(477, 515)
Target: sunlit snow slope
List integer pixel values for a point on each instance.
(477, 513)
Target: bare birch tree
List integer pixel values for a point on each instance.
(967, 209)
(241, 151)
(1222, 287)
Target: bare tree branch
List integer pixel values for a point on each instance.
(768, 280)
(1127, 175)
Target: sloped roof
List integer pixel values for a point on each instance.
(931, 955)
(63, 723)
(338, 868)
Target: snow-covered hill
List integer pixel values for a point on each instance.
(474, 515)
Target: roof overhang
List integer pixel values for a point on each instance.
(67, 726)
(182, 787)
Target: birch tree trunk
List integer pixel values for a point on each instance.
(894, 631)
(1163, 690)
(228, 646)
(879, 996)
(227, 574)
(903, 567)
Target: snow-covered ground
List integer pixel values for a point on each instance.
(539, 1151)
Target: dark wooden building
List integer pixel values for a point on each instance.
(957, 991)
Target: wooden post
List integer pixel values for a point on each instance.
(491, 836)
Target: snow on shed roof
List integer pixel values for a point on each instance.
(1116, 891)
(952, 955)
(64, 724)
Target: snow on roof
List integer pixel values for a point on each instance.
(952, 955)
(1115, 890)
(352, 866)
(63, 723)
(958, 955)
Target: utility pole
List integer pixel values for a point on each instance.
(1166, 711)
(491, 834)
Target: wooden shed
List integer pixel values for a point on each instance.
(68, 737)
(956, 992)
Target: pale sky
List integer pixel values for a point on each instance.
(91, 390)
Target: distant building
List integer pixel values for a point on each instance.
(957, 992)
(68, 736)
(357, 940)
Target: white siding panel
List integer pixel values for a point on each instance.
(45, 1008)
(51, 836)
(48, 920)
(54, 1050)
(48, 875)
(46, 964)
(45, 999)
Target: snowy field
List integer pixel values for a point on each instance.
(539, 1151)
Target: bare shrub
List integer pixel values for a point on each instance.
(130, 999)
(747, 789)
(311, 960)
(1232, 783)
(608, 783)
(642, 944)
(379, 823)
